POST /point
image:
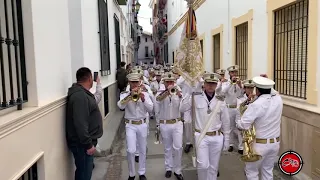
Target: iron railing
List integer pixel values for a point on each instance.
(242, 50)
(104, 37)
(12, 55)
(216, 52)
(290, 49)
(31, 174)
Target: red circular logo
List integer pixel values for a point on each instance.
(290, 163)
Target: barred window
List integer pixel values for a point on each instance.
(216, 52)
(242, 50)
(104, 37)
(31, 174)
(290, 49)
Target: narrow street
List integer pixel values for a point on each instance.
(115, 166)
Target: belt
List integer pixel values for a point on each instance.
(231, 106)
(214, 133)
(170, 121)
(265, 141)
(138, 122)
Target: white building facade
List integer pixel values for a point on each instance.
(42, 45)
(276, 37)
(146, 53)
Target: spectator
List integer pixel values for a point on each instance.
(121, 77)
(129, 68)
(83, 123)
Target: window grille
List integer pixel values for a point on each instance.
(242, 50)
(104, 37)
(216, 52)
(290, 49)
(13, 88)
(31, 174)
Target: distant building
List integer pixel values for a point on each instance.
(146, 53)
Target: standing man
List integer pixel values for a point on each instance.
(83, 123)
(167, 110)
(265, 115)
(232, 90)
(121, 77)
(136, 127)
(212, 127)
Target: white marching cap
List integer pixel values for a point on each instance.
(248, 83)
(263, 83)
(134, 77)
(211, 77)
(233, 68)
(169, 76)
(137, 71)
(221, 71)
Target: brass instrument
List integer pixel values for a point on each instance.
(173, 91)
(249, 136)
(136, 95)
(126, 99)
(236, 80)
(162, 95)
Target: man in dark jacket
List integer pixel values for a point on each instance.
(121, 77)
(83, 123)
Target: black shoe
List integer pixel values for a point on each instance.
(136, 159)
(179, 176)
(230, 149)
(142, 177)
(240, 152)
(121, 109)
(93, 166)
(187, 148)
(168, 174)
(218, 174)
(131, 178)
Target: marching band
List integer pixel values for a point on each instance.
(215, 115)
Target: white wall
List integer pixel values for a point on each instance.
(143, 44)
(52, 54)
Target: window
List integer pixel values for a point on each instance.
(106, 101)
(242, 50)
(151, 53)
(13, 88)
(290, 49)
(104, 37)
(216, 52)
(31, 174)
(201, 44)
(146, 51)
(173, 56)
(146, 39)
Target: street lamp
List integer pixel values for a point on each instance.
(138, 5)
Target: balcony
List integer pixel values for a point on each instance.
(122, 2)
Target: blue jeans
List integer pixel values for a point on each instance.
(83, 162)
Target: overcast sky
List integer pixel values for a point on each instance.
(144, 15)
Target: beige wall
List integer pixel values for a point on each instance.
(38, 134)
(300, 132)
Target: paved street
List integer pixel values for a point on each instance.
(114, 167)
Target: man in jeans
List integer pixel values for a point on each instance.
(121, 77)
(83, 123)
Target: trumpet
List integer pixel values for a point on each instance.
(173, 91)
(136, 95)
(236, 80)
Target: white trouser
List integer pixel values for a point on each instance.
(235, 134)
(172, 140)
(136, 134)
(265, 165)
(208, 156)
(187, 127)
(147, 122)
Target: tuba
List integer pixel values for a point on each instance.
(249, 136)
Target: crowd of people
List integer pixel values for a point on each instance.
(208, 117)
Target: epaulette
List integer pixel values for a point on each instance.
(220, 98)
(197, 93)
(124, 92)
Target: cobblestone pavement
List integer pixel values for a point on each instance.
(115, 166)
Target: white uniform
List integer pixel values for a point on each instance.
(187, 116)
(167, 110)
(209, 150)
(231, 93)
(136, 134)
(265, 113)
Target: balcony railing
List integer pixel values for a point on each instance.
(12, 56)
